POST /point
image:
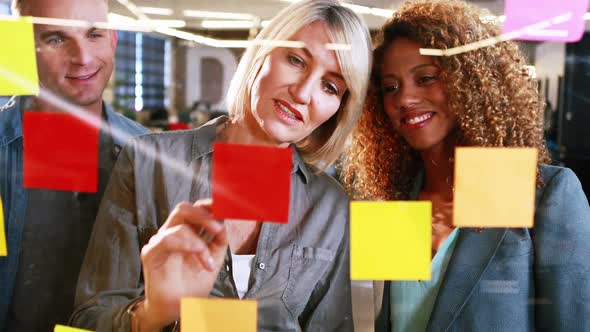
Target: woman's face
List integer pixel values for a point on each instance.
(298, 89)
(414, 97)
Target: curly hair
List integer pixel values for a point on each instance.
(495, 100)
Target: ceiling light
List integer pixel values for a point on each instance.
(163, 23)
(204, 40)
(133, 9)
(387, 13)
(119, 18)
(228, 24)
(220, 15)
(156, 11)
(358, 9)
(127, 23)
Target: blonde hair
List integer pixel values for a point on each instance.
(325, 144)
(18, 5)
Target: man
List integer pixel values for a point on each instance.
(47, 231)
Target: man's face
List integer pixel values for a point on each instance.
(73, 62)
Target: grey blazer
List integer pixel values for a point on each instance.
(517, 279)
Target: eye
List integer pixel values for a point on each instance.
(426, 79)
(390, 88)
(55, 41)
(330, 87)
(95, 35)
(295, 60)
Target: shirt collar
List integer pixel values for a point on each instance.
(11, 121)
(114, 122)
(206, 135)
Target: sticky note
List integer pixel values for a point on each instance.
(251, 182)
(218, 315)
(551, 20)
(61, 328)
(494, 187)
(60, 152)
(18, 64)
(3, 250)
(390, 240)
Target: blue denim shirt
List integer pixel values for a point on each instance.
(14, 195)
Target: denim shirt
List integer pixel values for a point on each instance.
(14, 195)
(300, 275)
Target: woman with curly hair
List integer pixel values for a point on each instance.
(418, 110)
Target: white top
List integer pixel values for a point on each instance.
(241, 267)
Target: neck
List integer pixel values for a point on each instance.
(439, 170)
(247, 130)
(41, 105)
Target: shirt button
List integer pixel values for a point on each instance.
(227, 268)
(261, 266)
(116, 150)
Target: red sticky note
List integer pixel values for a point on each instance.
(61, 152)
(550, 20)
(178, 126)
(251, 182)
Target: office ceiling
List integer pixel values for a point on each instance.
(264, 9)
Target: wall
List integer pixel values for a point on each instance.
(550, 63)
(205, 84)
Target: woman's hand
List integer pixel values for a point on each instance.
(180, 262)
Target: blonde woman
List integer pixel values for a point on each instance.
(308, 98)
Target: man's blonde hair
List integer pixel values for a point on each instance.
(325, 144)
(18, 6)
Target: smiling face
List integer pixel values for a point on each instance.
(76, 63)
(414, 97)
(297, 89)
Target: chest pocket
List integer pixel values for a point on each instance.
(308, 266)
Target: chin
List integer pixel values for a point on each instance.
(419, 148)
(420, 145)
(280, 138)
(86, 101)
(280, 133)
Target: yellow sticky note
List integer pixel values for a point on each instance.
(18, 62)
(3, 251)
(390, 240)
(61, 328)
(494, 187)
(218, 315)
